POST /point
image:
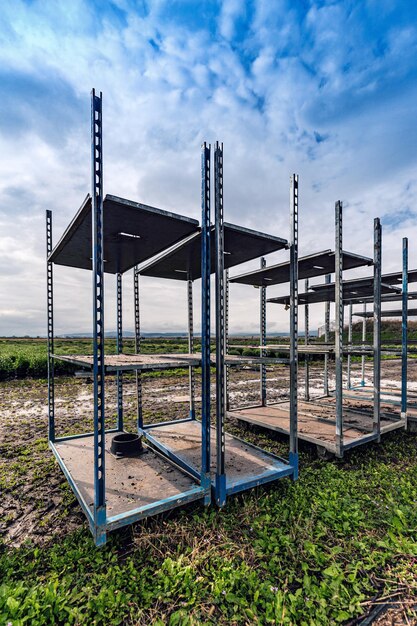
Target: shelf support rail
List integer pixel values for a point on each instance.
(306, 341)
(205, 313)
(326, 340)
(339, 326)
(220, 325)
(363, 342)
(191, 373)
(50, 328)
(293, 456)
(377, 327)
(404, 338)
(138, 346)
(349, 359)
(119, 350)
(98, 317)
(262, 334)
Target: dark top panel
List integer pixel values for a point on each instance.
(396, 278)
(353, 292)
(183, 262)
(318, 264)
(133, 232)
(396, 313)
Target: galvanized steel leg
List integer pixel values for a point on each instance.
(98, 318)
(219, 264)
(119, 350)
(50, 329)
(339, 328)
(139, 409)
(191, 377)
(377, 327)
(363, 343)
(349, 359)
(262, 337)
(293, 457)
(404, 342)
(205, 316)
(326, 340)
(306, 342)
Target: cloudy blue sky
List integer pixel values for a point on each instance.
(326, 89)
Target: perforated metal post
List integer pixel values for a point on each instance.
(339, 327)
(363, 343)
(377, 327)
(219, 264)
(226, 336)
(293, 457)
(349, 359)
(119, 350)
(262, 337)
(306, 342)
(191, 376)
(404, 342)
(205, 315)
(50, 328)
(98, 317)
(326, 340)
(139, 411)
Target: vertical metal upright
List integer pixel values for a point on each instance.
(98, 317)
(349, 359)
(339, 326)
(119, 350)
(226, 336)
(363, 344)
(404, 333)
(205, 316)
(377, 327)
(191, 373)
(139, 409)
(50, 326)
(293, 456)
(219, 277)
(262, 337)
(326, 340)
(306, 342)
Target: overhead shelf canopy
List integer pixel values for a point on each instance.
(393, 313)
(132, 233)
(183, 261)
(396, 278)
(310, 266)
(353, 291)
(389, 297)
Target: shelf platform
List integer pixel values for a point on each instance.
(125, 362)
(389, 395)
(316, 423)
(135, 487)
(247, 465)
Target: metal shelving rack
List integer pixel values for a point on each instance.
(325, 421)
(106, 236)
(235, 464)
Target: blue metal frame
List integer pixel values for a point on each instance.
(262, 337)
(306, 342)
(339, 326)
(119, 350)
(191, 373)
(139, 415)
(50, 328)
(326, 340)
(404, 325)
(377, 327)
(293, 456)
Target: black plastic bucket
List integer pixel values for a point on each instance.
(126, 444)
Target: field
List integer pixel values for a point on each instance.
(326, 549)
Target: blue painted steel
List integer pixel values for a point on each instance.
(69, 437)
(50, 328)
(377, 327)
(173, 456)
(167, 504)
(220, 482)
(404, 325)
(250, 482)
(205, 313)
(293, 461)
(220, 491)
(87, 510)
(262, 337)
(98, 305)
(328, 280)
(191, 373)
(168, 423)
(139, 415)
(306, 342)
(119, 350)
(363, 341)
(339, 326)
(294, 314)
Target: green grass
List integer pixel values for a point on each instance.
(310, 552)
